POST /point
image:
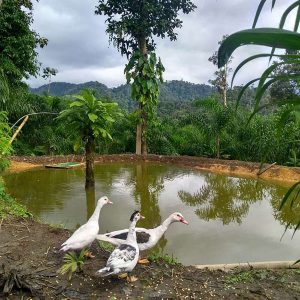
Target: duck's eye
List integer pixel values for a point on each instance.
(178, 216)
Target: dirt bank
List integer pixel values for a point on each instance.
(230, 167)
(29, 264)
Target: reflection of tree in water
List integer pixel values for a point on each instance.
(287, 216)
(225, 198)
(38, 189)
(90, 201)
(147, 181)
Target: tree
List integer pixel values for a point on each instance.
(18, 42)
(18, 55)
(285, 90)
(217, 118)
(90, 119)
(47, 74)
(221, 76)
(132, 27)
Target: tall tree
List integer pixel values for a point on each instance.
(132, 27)
(18, 55)
(18, 42)
(282, 91)
(221, 75)
(90, 119)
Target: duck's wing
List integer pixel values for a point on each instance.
(81, 237)
(122, 257)
(118, 237)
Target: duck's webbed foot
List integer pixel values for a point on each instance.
(131, 279)
(123, 276)
(143, 261)
(88, 254)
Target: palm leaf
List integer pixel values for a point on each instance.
(259, 9)
(241, 93)
(244, 62)
(297, 21)
(287, 195)
(271, 37)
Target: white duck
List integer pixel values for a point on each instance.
(146, 238)
(86, 233)
(125, 257)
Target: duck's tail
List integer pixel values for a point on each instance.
(64, 248)
(106, 271)
(105, 238)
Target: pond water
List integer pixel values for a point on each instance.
(231, 219)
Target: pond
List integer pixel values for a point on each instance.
(231, 219)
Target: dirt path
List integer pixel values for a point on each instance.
(29, 262)
(230, 167)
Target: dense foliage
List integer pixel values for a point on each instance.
(87, 119)
(18, 42)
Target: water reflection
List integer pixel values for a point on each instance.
(90, 194)
(227, 198)
(248, 207)
(147, 183)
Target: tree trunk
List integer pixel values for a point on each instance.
(218, 146)
(224, 90)
(141, 131)
(89, 162)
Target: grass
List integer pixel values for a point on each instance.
(106, 246)
(165, 258)
(9, 206)
(242, 277)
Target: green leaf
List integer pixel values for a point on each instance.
(259, 9)
(92, 117)
(287, 195)
(241, 93)
(76, 103)
(271, 37)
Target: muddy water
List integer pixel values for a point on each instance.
(231, 219)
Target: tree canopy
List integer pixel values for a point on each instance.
(130, 21)
(18, 42)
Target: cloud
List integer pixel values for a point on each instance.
(79, 48)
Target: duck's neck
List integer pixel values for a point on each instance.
(131, 237)
(96, 213)
(165, 225)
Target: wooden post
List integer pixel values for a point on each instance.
(19, 129)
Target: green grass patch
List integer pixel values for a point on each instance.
(9, 206)
(106, 246)
(242, 277)
(165, 258)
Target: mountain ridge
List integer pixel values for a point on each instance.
(170, 91)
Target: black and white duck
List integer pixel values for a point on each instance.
(146, 238)
(125, 257)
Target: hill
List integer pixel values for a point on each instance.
(171, 92)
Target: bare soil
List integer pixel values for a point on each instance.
(230, 167)
(29, 261)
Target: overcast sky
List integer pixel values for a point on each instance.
(79, 48)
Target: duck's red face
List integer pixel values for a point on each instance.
(179, 218)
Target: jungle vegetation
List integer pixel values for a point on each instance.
(191, 119)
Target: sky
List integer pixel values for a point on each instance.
(79, 46)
